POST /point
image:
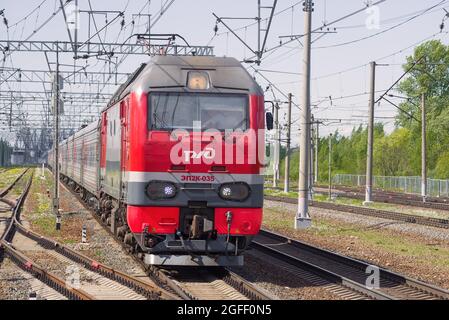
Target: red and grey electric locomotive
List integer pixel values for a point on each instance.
(174, 164)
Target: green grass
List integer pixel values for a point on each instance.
(279, 193)
(70, 241)
(41, 216)
(8, 176)
(45, 225)
(98, 253)
(358, 202)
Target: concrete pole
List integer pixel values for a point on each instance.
(258, 32)
(423, 149)
(56, 144)
(330, 167)
(369, 152)
(10, 111)
(76, 28)
(312, 148)
(287, 155)
(317, 141)
(276, 146)
(302, 219)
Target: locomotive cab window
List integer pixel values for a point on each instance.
(169, 111)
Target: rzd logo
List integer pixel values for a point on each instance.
(207, 153)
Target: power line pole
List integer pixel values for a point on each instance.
(258, 53)
(277, 139)
(369, 152)
(317, 141)
(56, 88)
(302, 219)
(423, 149)
(76, 28)
(312, 148)
(330, 167)
(10, 111)
(287, 155)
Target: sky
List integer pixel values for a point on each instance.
(386, 33)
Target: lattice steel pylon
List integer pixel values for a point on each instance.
(25, 93)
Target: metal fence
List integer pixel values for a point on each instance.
(410, 184)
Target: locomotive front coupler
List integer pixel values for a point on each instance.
(228, 223)
(201, 226)
(189, 252)
(145, 235)
(149, 239)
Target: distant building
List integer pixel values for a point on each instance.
(5, 153)
(18, 157)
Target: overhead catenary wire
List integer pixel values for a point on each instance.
(28, 15)
(327, 25)
(380, 32)
(378, 59)
(264, 71)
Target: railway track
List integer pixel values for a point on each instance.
(89, 279)
(386, 193)
(46, 281)
(391, 215)
(392, 197)
(210, 283)
(7, 205)
(36, 289)
(216, 284)
(351, 274)
(384, 196)
(8, 188)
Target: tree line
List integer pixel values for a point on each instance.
(5, 153)
(399, 152)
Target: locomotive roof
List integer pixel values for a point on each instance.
(196, 61)
(169, 73)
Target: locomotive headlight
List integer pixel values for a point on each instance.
(198, 80)
(237, 191)
(157, 190)
(169, 191)
(226, 192)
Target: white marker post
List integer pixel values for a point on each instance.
(84, 234)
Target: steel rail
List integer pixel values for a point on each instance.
(246, 288)
(160, 276)
(131, 282)
(392, 284)
(321, 272)
(156, 274)
(26, 264)
(396, 198)
(44, 276)
(384, 214)
(381, 195)
(139, 286)
(8, 188)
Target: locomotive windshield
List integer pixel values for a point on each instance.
(174, 110)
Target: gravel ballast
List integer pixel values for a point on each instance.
(418, 251)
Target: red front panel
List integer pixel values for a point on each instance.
(165, 220)
(160, 220)
(149, 151)
(245, 221)
(124, 121)
(103, 133)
